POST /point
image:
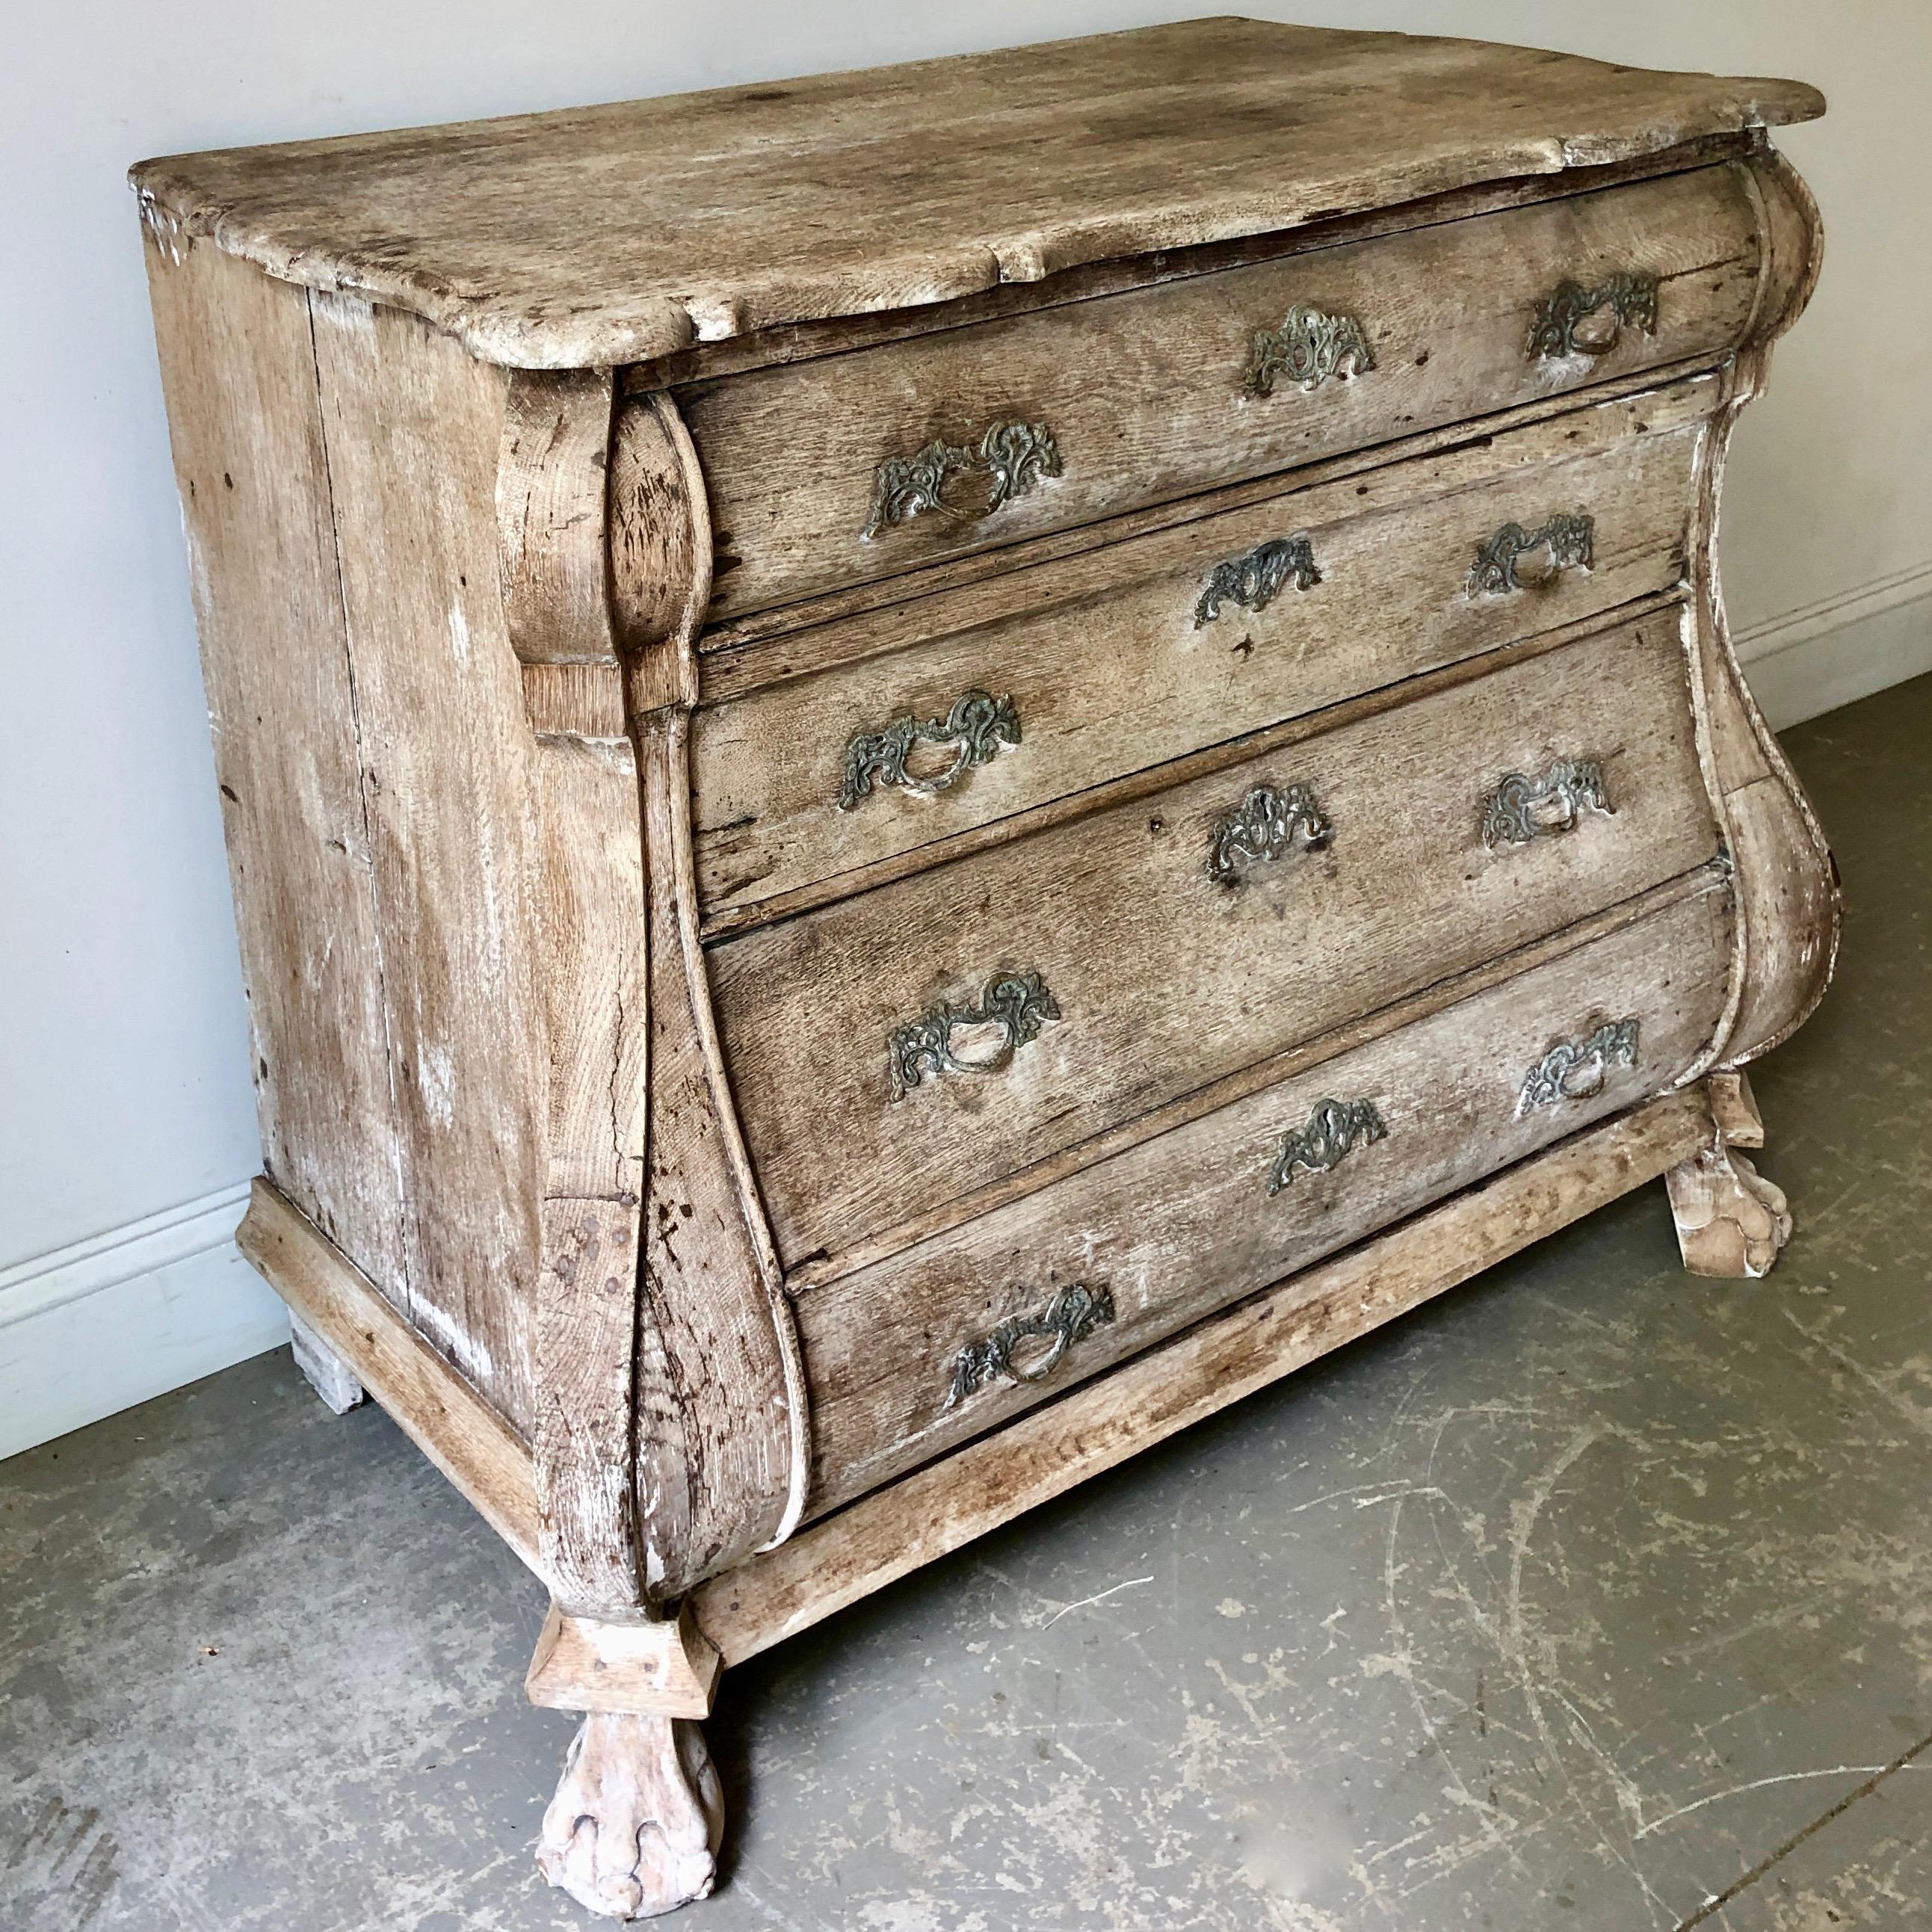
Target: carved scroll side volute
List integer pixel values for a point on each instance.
(722, 1461)
(658, 557)
(650, 1471)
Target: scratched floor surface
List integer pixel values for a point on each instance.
(1591, 1597)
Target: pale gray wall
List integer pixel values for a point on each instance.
(125, 1082)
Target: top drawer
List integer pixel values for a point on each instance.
(860, 465)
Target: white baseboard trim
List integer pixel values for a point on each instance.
(1840, 649)
(95, 1328)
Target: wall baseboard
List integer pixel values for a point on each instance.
(93, 1329)
(1840, 649)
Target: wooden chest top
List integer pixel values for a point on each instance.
(608, 235)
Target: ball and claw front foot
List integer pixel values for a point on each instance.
(634, 1828)
(1731, 1221)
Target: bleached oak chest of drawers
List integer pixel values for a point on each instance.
(927, 769)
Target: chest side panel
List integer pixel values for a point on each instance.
(244, 420)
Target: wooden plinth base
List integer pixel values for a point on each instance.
(871, 1543)
(634, 1829)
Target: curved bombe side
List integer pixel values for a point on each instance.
(1787, 885)
(653, 1468)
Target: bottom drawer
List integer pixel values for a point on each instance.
(910, 1356)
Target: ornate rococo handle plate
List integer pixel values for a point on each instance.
(1334, 1129)
(1571, 540)
(976, 728)
(1264, 827)
(1576, 1070)
(1071, 1316)
(1309, 348)
(1012, 456)
(1526, 805)
(1256, 579)
(1559, 327)
(1017, 1004)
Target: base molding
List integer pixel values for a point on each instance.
(1841, 649)
(433, 1406)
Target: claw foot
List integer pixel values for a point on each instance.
(1731, 1221)
(634, 1828)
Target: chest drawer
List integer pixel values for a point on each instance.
(916, 1353)
(904, 1047)
(1038, 683)
(858, 466)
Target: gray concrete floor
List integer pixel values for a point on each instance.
(1591, 1596)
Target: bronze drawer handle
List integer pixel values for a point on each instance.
(1309, 347)
(1525, 806)
(1576, 1070)
(1263, 828)
(1334, 1129)
(1255, 580)
(976, 728)
(1071, 1316)
(1012, 456)
(1571, 542)
(1574, 320)
(1017, 1004)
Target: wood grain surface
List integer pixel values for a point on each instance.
(1183, 1224)
(1165, 978)
(599, 235)
(414, 429)
(238, 371)
(1110, 669)
(1143, 393)
(721, 1421)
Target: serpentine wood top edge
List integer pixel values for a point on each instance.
(592, 237)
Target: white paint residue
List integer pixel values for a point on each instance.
(347, 315)
(1230, 1606)
(469, 1354)
(459, 633)
(436, 1074)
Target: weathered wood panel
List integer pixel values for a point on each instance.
(1143, 393)
(1109, 666)
(581, 1316)
(414, 428)
(238, 367)
(1165, 977)
(1183, 1224)
(604, 235)
(721, 1426)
